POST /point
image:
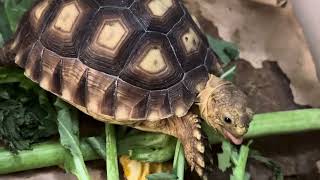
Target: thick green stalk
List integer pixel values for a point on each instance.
(111, 153)
(42, 155)
(284, 122)
(51, 154)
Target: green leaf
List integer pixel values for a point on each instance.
(26, 115)
(162, 176)
(144, 140)
(68, 127)
(226, 51)
(224, 158)
(240, 161)
(99, 145)
(161, 152)
(153, 155)
(14, 10)
(5, 30)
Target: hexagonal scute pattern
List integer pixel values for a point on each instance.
(39, 14)
(64, 33)
(152, 63)
(115, 3)
(111, 36)
(158, 15)
(116, 60)
(189, 43)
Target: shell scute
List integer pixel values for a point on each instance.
(188, 43)
(115, 3)
(66, 28)
(158, 15)
(131, 102)
(118, 60)
(151, 62)
(113, 33)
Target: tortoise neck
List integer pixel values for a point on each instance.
(206, 97)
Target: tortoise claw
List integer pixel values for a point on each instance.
(198, 152)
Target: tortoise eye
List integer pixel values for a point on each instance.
(227, 120)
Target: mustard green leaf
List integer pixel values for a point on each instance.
(14, 11)
(68, 127)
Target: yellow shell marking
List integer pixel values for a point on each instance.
(159, 7)
(40, 9)
(67, 18)
(153, 115)
(153, 62)
(111, 35)
(123, 112)
(191, 41)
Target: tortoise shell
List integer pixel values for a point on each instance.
(116, 59)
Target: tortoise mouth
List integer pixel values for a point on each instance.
(231, 137)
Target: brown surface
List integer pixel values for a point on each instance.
(265, 33)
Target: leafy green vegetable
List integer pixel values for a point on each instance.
(14, 10)
(240, 162)
(26, 115)
(5, 30)
(224, 158)
(159, 149)
(99, 145)
(226, 51)
(68, 127)
(162, 176)
(143, 140)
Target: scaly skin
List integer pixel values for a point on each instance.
(218, 101)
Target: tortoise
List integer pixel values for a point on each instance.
(140, 63)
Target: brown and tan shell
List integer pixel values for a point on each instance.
(116, 60)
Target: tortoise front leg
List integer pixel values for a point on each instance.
(188, 130)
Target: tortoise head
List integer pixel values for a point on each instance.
(225, 108)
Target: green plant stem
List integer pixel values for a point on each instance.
(239, 172)
(179, 161)
(286, 122)
(111, 153)
(43, 155)
(51, 154)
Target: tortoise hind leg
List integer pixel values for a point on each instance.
(188, 130)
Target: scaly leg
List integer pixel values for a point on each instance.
(188, 130)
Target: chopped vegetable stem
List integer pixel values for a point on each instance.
(43, 155)
(50, 154)
(111, 153)
(179, 161)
